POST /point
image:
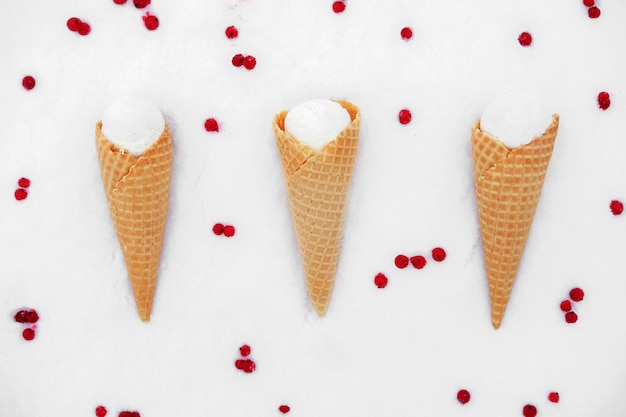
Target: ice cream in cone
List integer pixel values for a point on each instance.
(135, 154)
(318, 172)
(509, 179)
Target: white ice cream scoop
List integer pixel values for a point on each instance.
(515, 118)
(133, 123)
(316, 122)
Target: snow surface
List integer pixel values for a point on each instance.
(402, 350)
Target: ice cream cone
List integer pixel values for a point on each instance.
(317, 184)
(137, 190)
(508, 186)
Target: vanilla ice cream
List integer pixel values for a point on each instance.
(316, 122)
(515, 118)
(133, 123)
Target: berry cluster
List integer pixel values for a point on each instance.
(226, 230)
(27, 318)
(101, 411)
(576, 295)
(419, 261)
(21, 193)
(592, 10)
(76, 25)
(150, 21)
(246, 61)
(245, 364)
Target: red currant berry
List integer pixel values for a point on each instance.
(381, 280)
(249, 62)
(23, 182)
(21, 194)
(119, 1)
(211, 125)
(239, 363)
(604, 100)
(73, 23)
(566, 306)
(28, 334)
(248, 366)
(593, 12)
(406, 33)
(439, 254)
(229, 231)
(463, 396)
(28, 82)
(617, 207)
(231, 32)
(32, 316)
(577, 294)
(238, 60)
(529, 410)
(21, 316)
(553, 397)
(405, 116)
(571, 317)
(140, 4)
(339, 6)
(100, 410)
(129, 414)
(418, 261)
(284, 409)
(218, 229)
(401, 261)
(84, 29)
(245, 350)
(525, 39)
(151, 22)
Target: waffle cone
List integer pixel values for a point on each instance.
(508, 187)
(317, 185)
(137, 190)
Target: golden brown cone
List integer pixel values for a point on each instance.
(317, 184)
(508, 186)
(137, 190)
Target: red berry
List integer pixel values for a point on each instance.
(249, 62)
(84, 29)
(239, 363)
(381, 280)
(248, 366)
(245, 350)
(129, 414)
(284, 409)
(238, 60)
(151, 22)
(140, 4)
(577, 294)
(604, 100)
(589, 3)
(231, 32)
(463, 396)
(28, 334)
(119, 1)
(529, 410)
(401, 261)
(73, 23)
(20, 194)
(404, 116)
(211, 125)
(571, 317)
(100, 410)
(418, 261)
(339, 6)
(617, 207)
(28, 82)
(406, 33)
(554, 397)
(229, 231)
(32, 316)
(20, 316)
(593, 12)
(218, 228)
(23, 182)
(566, 306)
(438, 254)
(525, 39)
